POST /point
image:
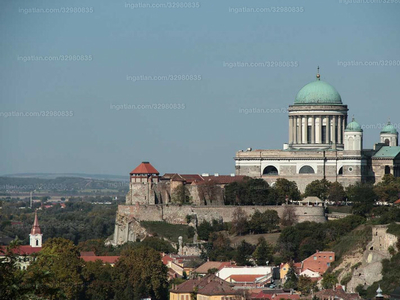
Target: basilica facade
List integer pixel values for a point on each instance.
(323, 144)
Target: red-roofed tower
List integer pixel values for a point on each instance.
(142, 180)
(36, 235)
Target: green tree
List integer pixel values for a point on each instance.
(284, 189)
(264, 222)
(98, 279)
(363, 197)
(291, 279)
(140, 273)
(388, 189)
(204, 230)
(60, 259)
(243, 254)
(318, 188)
(329, 281)
(263, 252)
(11, 276)
(336, 192)
(306, 285)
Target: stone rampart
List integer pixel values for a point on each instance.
(177, 214)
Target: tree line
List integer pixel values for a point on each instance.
(58, 272)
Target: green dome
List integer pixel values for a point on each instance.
(318, 93)
(389, 128)
(353, 126)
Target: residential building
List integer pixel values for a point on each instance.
(209, 287)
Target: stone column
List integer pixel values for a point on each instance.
(339, 130)
(312, 129)
(290, 130)
(304, 130)
(318, 130)
(298, 123)
(334, 129)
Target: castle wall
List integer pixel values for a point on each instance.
(127, 227)
(177, 214)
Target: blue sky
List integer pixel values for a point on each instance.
(118, 41)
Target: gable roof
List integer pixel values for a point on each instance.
(145, 168)
(22, 250)
(203, 269)
(208, 285)
(387, 152)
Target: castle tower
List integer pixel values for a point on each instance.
(142, 180)
(353, 138)
(35, 237)
(389, 135)
(317, 118)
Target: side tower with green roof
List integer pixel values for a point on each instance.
(389, 135)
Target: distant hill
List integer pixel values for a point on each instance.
(10, 184)
(80, 175)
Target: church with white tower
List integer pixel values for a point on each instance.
(323, 145)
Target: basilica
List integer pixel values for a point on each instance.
(323, 145)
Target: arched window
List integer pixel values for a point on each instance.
(306, 170)
(270, 170)
(387, 170)
(340, 171)
(387, 142)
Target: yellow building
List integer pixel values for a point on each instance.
(209, 287)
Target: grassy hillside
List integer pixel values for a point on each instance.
(356, 239)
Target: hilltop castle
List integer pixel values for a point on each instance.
(323, 145)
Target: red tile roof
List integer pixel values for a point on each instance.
(321, 262)
(397, 202)
(22, 250)
(208, 285)
(166, 259)
(337, 293)
(145, 168)
(104, 259)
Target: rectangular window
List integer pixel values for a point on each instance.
(330, 257)
(336, 135)
(315, 258)
(323, 136)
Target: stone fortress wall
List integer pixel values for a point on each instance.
(127, 226)
(175, 214)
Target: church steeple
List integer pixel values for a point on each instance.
(35, 236)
